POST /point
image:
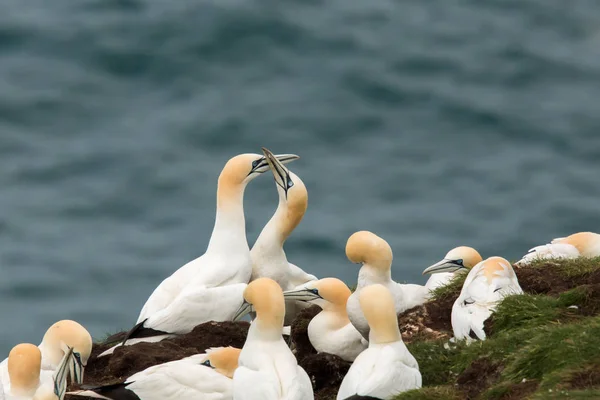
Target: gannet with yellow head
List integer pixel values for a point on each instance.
(267, 368)
(210, 287)
(581, 244)
(330, 331)
(485, 286)
(61, 336)
(268, 257)
(375, 255)
(386, 368)
(202, 376)
(458, 260)
(24, 365)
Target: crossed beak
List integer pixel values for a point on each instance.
(60, 376)
(245, 308)
(280, 173)
(263, 166)
(444, 265)
(303, 294)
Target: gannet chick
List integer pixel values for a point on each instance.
(268, 257)
(375, 255)
(210, 287)
(23, 367)
(267, 368)
(582, 244)
(486, 284)
(330, 331)
(458, 260)
(202, 376)
(386, 368)
(62, 333)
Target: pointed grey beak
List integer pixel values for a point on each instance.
(261, 165)
(445, 266)
(303, 294)
(280, 173)
(245, 308)
(60, 376)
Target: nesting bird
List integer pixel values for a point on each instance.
(458, 260)
(330, 331)
(202, 376)
(267, 367)
(268, 257)
(386, 368)
(210, 287)
(486, 284)
(582, 244)
(375, 255)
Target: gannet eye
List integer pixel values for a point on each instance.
(315, 291)
(207, 364)
(459, 261)
(289, 182)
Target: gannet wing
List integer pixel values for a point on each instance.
(549, 251)
(359, 369)
(414, 295)
(297, 276)
(196, 305)
(251, 385)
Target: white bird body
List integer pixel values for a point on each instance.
(438, 280)
(386, 368)
(486, 284)
(267, 368)
(581, 244)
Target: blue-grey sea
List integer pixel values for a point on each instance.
(431, 123)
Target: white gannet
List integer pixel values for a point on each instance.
(375, 254)
(486, 284)
(268, 257)
(581, 244)
(206, 376)
(267, 368)
(458, 260)
(210, 287)
(62, 333)
(24, 365)
(330, 331)
(386, 368)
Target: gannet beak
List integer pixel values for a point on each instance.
(77, 368)
(261, 165)
(303, 294)
(445, 266)
(244, 309)
(280, 173)
(60, 376)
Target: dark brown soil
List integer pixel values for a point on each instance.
(429, 321)
(326, 372)
(547, 279)
(587, 377)
(480, 375)
(301, 346)
(520, 391)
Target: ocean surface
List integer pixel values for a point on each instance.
(433, 124)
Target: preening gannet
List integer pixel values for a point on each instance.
(582, 244)
(52, 349)
(458, 260)
(267, 368)
(330, 331)
(486, 284)
(23, 367)
(206, 376)
(386, 368)
(375, 254)
(210, 287)
(268, 257)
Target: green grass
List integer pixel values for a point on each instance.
(537, 347)
(452, 289)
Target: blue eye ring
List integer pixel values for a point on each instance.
(207, 363)
(315, 291)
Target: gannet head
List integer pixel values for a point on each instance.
(495, 267)
(265, 297)
(292, 192)
(377, 305)
(587, 243)
(367, 248)
(242, 168)
(459, 258)
(224, 360)
(73, 335)
(24, 363)
(322, 293)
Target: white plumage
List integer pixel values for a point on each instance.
(582, 244)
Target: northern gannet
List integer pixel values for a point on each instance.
(330, 331)
(375, 255)
(268, 257)
(52, 349)
(206, 376)
(210, 287)
(458, 260)
(267, 368)
(582, 244)
(486, 284)
(386, 368)
(24, 365)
